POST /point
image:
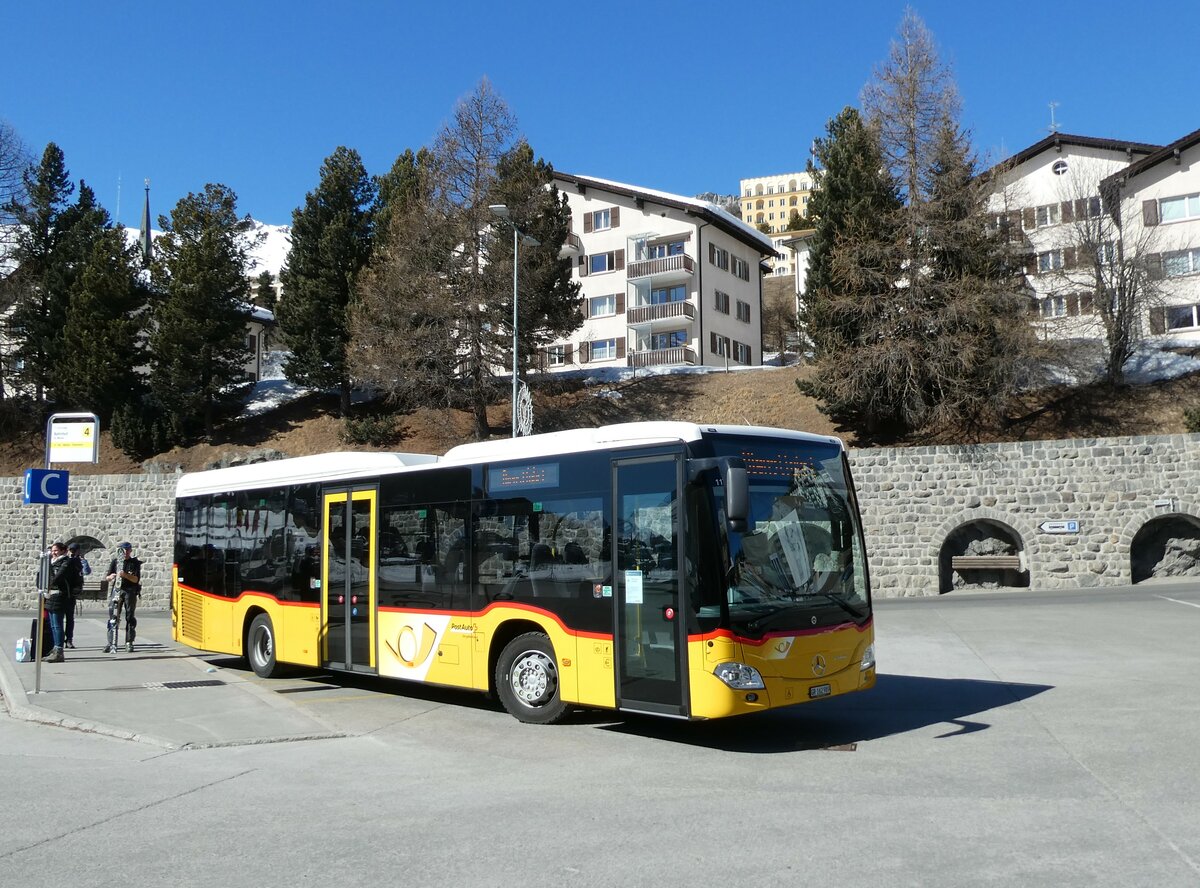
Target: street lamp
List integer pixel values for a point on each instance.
(500, 211)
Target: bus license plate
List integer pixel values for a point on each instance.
(818, 691)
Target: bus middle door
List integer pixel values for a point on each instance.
(348, 579)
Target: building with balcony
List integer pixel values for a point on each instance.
(665, 280)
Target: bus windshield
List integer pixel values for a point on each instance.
(800, 563)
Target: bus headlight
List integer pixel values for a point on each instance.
(739, 676)
(868, 660)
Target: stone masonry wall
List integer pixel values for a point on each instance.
(912, 499)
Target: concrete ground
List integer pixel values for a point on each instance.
(1015, 738)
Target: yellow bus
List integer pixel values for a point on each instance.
(680, 570)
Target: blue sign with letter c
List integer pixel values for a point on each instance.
(46, 486)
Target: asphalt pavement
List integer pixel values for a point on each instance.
(160, 693)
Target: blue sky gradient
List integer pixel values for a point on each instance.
(680, 97)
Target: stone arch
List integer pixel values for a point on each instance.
(989, 536)
(1165, 545)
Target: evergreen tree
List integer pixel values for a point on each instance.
(198, 345)
(38, 289)
(436, 308)
(102, 336)
(397, 188)
(265, 294)
(331, 244)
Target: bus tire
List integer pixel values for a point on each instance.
(527, 680)
(260, 647)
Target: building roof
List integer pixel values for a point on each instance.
(1058, 140)
(709, 212)
(1167, 152)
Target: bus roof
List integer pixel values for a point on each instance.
(298, 470)
(333, 467)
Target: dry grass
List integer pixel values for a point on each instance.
(766, 396)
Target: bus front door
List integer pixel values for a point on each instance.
(651, 647)
(348, 580)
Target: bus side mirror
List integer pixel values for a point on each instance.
(737, 495)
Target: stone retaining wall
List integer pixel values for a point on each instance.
(912, 500)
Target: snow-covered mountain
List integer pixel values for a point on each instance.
(270, 254)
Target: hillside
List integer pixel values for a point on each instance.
(765, 396)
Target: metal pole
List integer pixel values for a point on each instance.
(516, 235)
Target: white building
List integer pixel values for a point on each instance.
(1158, 201)
(665, 279)
(1046, 198)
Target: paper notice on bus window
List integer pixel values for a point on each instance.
(633, 587)
(791, 540)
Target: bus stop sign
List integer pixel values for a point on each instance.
(46, 486)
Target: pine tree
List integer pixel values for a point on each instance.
(397, 188)
(102, 336)
(198, 345)
(265, 293)
(331, 244)
(38, 288)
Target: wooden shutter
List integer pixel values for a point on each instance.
(1150, 212)
(1158, 320)
(583, 266)
(585, 352)
(588, 222)
(1073, 304)
(587, 308)
(1154, 266)
(712, 253)
(1029, 218)
(620, 257)
(1069, 257)
(1087, 304)
(620, 347)
(567, 353)
(620, 303)
(1068, 211)
(712, 342)
(1080, 208)
(615, 217)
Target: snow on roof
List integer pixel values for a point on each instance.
(702, 206)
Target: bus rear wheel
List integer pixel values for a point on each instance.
(527, 680)
(260, 647)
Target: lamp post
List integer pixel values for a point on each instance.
(500, 211)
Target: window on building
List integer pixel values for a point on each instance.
(1181, 263)
(603, 349)
(1051, 260)
(599, 306)
(741, 268)
(792, 201)
(721, 302)
(741, 352)
(1176, 209)
(1046, 214)
(743, 311)
(1054, 307)
(556, 355)
(1183, 317)
(661, 251)
(598, 263)
(601, 219)
(719, 345)
(720, 257)
(669, 339)
(662, 295)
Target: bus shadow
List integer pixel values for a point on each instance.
(898, 704)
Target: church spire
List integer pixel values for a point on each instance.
(144, 238)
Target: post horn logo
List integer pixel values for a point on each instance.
(411, 650)
(818, 665)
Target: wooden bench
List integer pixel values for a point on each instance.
(986, 562)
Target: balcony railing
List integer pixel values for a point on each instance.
(659, 357)
(646, 314)
(680, 263)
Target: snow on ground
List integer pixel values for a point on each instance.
(1150, 363)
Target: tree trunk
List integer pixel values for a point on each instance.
(345, 398)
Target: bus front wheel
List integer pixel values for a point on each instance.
(260, 647)
(527, 680)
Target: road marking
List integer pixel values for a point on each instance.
(1177, 601)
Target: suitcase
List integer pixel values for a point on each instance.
(47, 637)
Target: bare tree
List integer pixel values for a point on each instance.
(15, 159)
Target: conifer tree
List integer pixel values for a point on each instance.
(198, 348)
(331, 244)
(102, 338)
(265, 294)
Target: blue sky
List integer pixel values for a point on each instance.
(681, 97)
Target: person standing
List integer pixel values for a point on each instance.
(82, 569)
(124, 586)
(58, 594)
